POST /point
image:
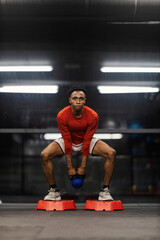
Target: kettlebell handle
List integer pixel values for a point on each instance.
(83, 176)
(78, 175)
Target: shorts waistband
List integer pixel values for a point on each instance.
(76, 145)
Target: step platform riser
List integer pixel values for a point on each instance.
(56, 205)
(103, 205)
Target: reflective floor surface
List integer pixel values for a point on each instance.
(23, 221)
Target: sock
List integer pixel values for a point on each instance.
(106, 186)
(53, 186)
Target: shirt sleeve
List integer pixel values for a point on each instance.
(62, 125)
(88, 136)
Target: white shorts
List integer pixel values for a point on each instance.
(77, 148)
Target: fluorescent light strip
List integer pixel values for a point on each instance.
(46, 68)
(126, 89)
(52, 136)
(30, 89)
(146, 22)
(108, 135)
(130, 69)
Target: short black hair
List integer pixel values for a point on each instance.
(77, 88)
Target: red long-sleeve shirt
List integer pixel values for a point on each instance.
(77, 130)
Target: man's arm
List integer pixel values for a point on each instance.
(71, 170)
(81, 170)
(86, 144)
(63, 128)
(88, 135)
(67, 142)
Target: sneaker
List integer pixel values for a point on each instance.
(53, 195)
(105, 195)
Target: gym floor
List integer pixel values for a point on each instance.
(139, 220)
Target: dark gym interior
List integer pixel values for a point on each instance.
(77, 38)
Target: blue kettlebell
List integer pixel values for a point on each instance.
(77, 181)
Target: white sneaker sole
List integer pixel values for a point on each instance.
(105, 199)
(52, 199)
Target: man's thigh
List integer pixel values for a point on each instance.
(101, 149)
(53, 150)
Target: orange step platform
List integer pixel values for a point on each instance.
(103, 205)
(56, 205)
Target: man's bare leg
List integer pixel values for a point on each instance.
(51, 151)
(104, 150)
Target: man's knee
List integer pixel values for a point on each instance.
(44, 157)
(111, 154)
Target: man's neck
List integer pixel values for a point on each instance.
(77, 114)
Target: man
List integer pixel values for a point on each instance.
(77, 124)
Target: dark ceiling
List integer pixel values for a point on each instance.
(77, 38)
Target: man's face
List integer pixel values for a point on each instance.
(77, 100)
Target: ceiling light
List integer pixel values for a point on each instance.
(126, 89)
(108, 135)
(30, 89)
(47, 68)
(130, 69)
(52, 136)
